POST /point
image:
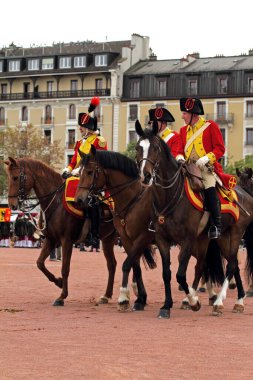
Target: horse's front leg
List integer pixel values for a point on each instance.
(184, 258)
(47, 247)
(140, 292)
(67, 247)
(124, 296)
(108, 249)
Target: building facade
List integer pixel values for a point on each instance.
(48, 86)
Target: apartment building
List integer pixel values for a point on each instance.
(48, 86)
(225, 85)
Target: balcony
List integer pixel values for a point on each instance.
(3, 122)
(221, 119)
(48, 120)
(55, 95)
(70, 145)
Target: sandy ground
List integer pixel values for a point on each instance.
(84, 341)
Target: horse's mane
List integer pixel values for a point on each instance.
(117, 161)
(41, 168)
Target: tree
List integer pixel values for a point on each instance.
(246, 162)
(28, 142)
(130, 150)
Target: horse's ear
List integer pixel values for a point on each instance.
(138, 128)
(238, 173)
(11, 162)
(93, 150)
(155, 127)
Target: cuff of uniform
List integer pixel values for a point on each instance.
(70, 168)
(180, 157)
(212, 157)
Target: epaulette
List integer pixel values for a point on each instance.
(101, 141)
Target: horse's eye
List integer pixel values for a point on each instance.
(15, 178)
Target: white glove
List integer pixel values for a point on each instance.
(65, 170)
(180, 159)
(75, 172)
(202, 161)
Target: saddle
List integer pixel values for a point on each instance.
(193, 173)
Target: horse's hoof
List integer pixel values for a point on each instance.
(232, 286)
(249, 293)
(164, 314)
(102, 300)
(196, 307)
(58, 302)
(138, 307)
(180, 288)
(202, 289)
(238, 308)
(212, 300)
(217, 310)
(123, 306)
(185, 305)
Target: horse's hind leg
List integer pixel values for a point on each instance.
(239, 305)
(67, 247)
(47, 247)
(141, 300)
(108, 249)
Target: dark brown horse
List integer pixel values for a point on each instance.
(245, 180)
(62, 228)
(118, 174)
(176, 219)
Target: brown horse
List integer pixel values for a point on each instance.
(118, 174)
(245, 180)
(175, 218)
(62, 228)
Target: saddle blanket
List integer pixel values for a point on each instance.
(69, 197)
(227, 206)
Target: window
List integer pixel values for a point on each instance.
(65, 62)
(161, 87)
(3, 89)
(97, 113)
(250, 85)
(249, 108)
(249, 136)
(48, 114)
(33, 64)
(1, 66)
(48, 135)
(2, 116)
(99, 84)
(80, 61)
(24, 114)
(72, 111)
(47, 63)
(223, 132)
(14, 65)
(73, 85)
(192, 87)
(101, 60)
(135, 88)
(222, 85)
(69, 158)
(221, 111)
(71, 138)
(133, 112)
(132, 137)
(49, 87)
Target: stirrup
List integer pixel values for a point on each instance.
(151, 227)
(214, 232)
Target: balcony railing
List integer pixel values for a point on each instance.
(47, 120)
(221, 119)
(70, 145)
(3, 122)
(55, 94)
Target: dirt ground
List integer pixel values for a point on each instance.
(84, 341)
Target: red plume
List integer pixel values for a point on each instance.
(94, 103)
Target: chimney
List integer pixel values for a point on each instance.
(250, 51)
(195, 55)
(153, 57)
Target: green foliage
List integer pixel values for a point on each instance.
(27, 142)
(130, 150)
(246, 162)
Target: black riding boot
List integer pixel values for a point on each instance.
(213, 205)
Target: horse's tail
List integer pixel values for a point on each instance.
(148, 257)
(248, 239)
(214, 264)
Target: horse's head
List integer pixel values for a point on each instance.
(147, 152)
(19, 183)
(245, 179)
(92, 178)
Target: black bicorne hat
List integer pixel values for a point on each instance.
(85, 120)
(191, 105)
(160, 114)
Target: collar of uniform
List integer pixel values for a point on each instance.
(197, 125)
(165, 132)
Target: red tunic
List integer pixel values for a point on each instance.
(172, 139)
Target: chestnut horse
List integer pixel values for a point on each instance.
(175, 218)
(61, 227)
